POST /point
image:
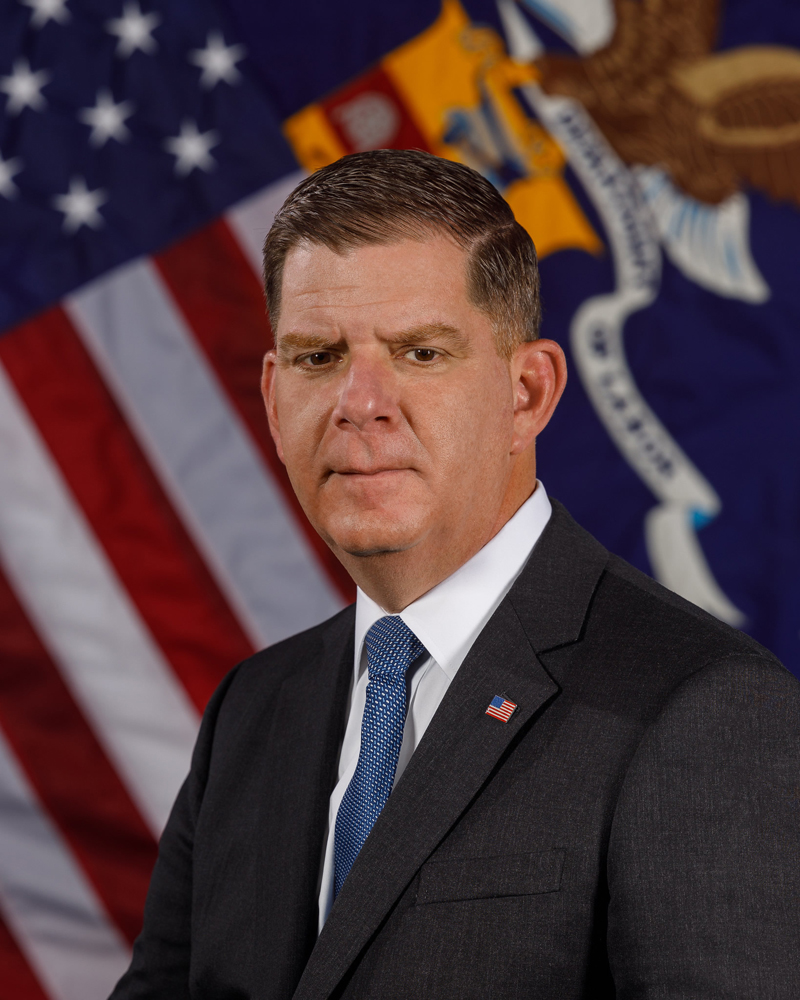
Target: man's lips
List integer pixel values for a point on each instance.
(370, 473)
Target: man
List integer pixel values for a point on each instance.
(518, 767)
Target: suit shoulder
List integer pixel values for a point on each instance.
(277, 662)
(643, 649)
(661, 617)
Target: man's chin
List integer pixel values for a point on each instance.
(377, 550)
(373, 525)
(362, 545)
(362, 540)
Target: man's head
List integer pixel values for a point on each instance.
(407, 384)
(387, 195)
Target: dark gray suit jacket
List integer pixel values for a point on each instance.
(633, 831)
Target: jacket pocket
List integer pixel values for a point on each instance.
(488, 878)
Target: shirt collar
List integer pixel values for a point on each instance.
(448, 619)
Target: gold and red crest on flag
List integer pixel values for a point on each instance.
(452, 90)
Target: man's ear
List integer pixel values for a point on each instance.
(539, 374)
(270, 402)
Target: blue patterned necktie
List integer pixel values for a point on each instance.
(391, 648)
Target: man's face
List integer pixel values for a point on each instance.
(388, 400)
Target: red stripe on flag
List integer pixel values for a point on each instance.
(129, 513)
(17, 981)
(69, 770)
(345, 110)
(215, 288)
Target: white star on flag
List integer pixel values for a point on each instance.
(107, 119)
(24, 88)
(7, 170)
(217, 61)
(134, 30)
(191, 149)
(80, 206)
(47, 10)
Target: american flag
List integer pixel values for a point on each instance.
(149, 538)
(501, 708)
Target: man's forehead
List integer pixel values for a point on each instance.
(311, 265)
(393, 286)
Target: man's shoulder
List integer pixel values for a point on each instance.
(636, 642)
(645, 648)
(305, 651)
(639, 606)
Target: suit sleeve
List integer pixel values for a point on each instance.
(704, 854)
(159, 969)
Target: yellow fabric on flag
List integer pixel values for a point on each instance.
(456, 71)
(312, 138)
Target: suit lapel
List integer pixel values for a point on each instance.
(462, 744)
(554, 591)
(297, 776)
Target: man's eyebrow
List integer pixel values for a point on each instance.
(427, 332)
(290, 342)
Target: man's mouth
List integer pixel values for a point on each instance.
(369, 472)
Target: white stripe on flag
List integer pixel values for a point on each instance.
(250, 219)
(204, 455)
(137, 707)
(51, 909)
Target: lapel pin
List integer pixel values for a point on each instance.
(501, 708)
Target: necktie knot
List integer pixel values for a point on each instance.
(391, 648)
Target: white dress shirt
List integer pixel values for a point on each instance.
(447, 621)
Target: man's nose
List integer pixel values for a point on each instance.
(368, 397)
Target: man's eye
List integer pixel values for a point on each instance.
(423, 354)
(318, 358)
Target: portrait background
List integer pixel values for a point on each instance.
(149, 538)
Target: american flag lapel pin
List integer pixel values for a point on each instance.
(501, 708)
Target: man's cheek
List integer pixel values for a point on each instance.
(301, 425)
